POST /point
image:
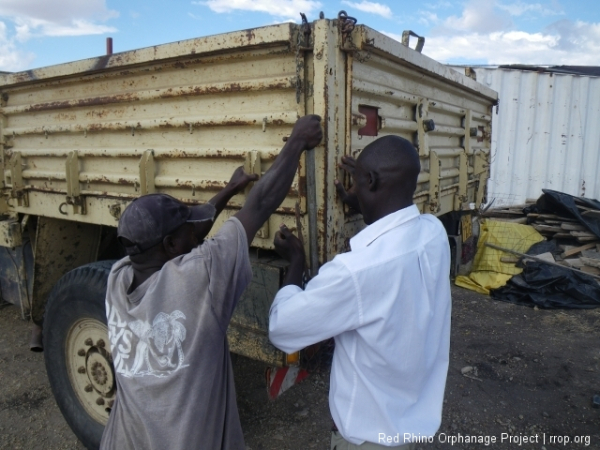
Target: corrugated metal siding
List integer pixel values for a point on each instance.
(546, 134)
(199, 117)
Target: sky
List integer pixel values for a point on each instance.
(38, 33)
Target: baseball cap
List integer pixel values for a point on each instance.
(150, 218)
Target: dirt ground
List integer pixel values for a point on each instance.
(534, 373)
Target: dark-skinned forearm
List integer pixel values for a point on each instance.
(295, 272)
(268, 192)
(219, 201)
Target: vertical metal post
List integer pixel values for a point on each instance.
(311, 197)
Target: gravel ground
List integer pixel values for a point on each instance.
(527, 373)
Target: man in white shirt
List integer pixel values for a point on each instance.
(386, 302)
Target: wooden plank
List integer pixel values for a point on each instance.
(590, 261)
(585, 208)
(591, 254)
(574, 262)
(554, 216)
(583, 234)
(564, 235)
(547, 228)
(535, 258)
(591, 270)
(595, 213)
(574, 251)
(587, 239)
(573, 227)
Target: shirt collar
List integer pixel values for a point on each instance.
(383, 225)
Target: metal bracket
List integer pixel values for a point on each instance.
(406, 34)
(423, 126)
(463, 180)
(74, 196)
(434, 182)
(16, 177)
(481, 169)
(463, 176)
(147, 173)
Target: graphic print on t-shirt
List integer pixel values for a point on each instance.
(140, 348)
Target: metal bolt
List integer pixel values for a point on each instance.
(100, 401)
(89, 342)
(88, 388)
(428, 125)
(100, 343)
(81, 369)
(81, 352)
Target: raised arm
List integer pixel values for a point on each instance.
(268, 193)
(238, 182)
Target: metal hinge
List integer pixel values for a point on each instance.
(16, 177)
(74, 196)
(147, 173)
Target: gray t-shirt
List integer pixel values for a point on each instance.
(175, 386)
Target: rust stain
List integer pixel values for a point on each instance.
(250, 34)
(83, 102)
(101, 62)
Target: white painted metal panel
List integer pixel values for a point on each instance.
(545, 136)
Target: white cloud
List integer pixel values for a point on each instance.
(278, 8)
(64, 18)
(520, 8)
(57, 12)
(370, 7)
(479, 16)
(565, 42)
(11, 59)
(33, 18)
(441, 4)
(427, 18)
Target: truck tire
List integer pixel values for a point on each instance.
(77, 351)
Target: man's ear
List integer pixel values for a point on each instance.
(169, 245)
(373, 180)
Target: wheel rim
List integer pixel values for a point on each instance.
(90, 367)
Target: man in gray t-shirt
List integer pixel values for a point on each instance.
(169, 304)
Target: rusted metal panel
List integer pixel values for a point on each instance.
(75, 141)
(221, 43)
(431, 106)
(60, 246)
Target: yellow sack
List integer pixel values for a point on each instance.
(488, 271)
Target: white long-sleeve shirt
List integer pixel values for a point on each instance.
(387, 303)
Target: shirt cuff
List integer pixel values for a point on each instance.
(286, 292)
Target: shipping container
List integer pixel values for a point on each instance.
(80, 140)
(545, 135)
